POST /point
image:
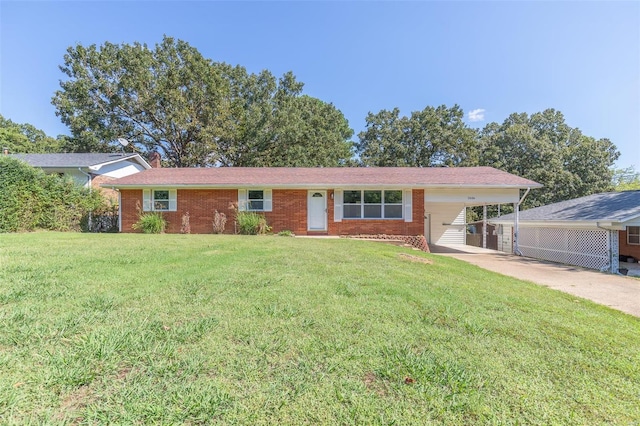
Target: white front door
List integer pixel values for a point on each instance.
(317, 211)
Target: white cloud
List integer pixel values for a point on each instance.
(476, 115)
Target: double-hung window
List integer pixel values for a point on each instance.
(256, 200)
(159, 200)
(372, 204)
(633, 235)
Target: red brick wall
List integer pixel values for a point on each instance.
(289, 213)
(628, 249)
(128, 212)
(380, 226)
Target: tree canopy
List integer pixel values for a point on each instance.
(194, 111)
(627, 179)
(431, 137)
(542, 147)
(25, 138)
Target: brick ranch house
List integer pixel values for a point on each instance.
(321, 201)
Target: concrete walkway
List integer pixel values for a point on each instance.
(617, 292)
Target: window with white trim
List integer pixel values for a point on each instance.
(159, 200)
(633, 235)
(256, 200)
(372, 204)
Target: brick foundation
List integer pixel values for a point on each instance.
(417, 241)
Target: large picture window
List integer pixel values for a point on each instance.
(372, 204)
(633, 235)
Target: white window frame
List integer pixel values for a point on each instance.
(149, 201)
(244, 202)
(634, 234)
(382, 204)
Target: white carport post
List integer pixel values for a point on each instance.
(516, 210)
(516, 229)
(484, 226)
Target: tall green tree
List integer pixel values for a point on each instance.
(431, 137)
(26, 139)
(194, 111)
(542, 147)
(627, 179)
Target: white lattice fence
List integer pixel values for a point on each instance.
(588, 248)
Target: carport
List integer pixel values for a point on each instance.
(445, 210)
(596, 231)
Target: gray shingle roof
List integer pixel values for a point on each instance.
(71, 160)
(606, 206)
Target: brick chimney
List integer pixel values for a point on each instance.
(154, 160)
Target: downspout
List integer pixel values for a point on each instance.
(119, 209)
(88, 175)
(516, 249)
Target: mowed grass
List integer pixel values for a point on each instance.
(210, 329)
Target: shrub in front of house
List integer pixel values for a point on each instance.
(32, 200)
(151, 223)
(252, 223)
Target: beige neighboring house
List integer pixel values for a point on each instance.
(88, 169)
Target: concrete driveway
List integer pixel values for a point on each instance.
(617, 292)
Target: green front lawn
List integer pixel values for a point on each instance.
(197, 329)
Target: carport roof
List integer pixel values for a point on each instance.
(604, 207)
(329, 177)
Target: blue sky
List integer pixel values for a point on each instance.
(582, 58)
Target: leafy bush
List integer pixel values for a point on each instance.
(286, 233)
(151, 223)
(31, 199)
(252, 223)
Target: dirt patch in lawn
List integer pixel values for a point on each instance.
(413, 258)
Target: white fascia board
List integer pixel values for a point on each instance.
(317, 186)
(137, 158)
(460, 186)
(633, 219)
(583, 224)
(631, 222)
(262, 185)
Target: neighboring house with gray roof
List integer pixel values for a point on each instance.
(593, 231)
(87, 169)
